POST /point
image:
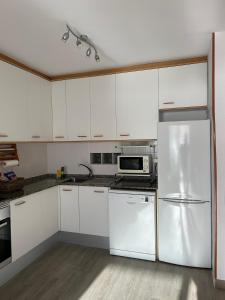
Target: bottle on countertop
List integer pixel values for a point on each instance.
(58, 174)
(63, 172)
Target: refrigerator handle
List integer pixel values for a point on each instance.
(185, 201)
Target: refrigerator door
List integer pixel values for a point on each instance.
(185, 232)
(184, 160)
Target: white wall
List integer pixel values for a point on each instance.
(33, 160)
(220, 149)
(71, 154)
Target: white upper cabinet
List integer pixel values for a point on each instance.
(13, 103)
(59, 110)
(39, 109)
(183, 86)
(103, 107)
(78, 108)
(137, 105)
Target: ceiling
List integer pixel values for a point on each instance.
(125, 31)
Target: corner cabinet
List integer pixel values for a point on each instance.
(78, 109)
(34, 218)
(183, 87)
(103, 107)
(137, 105)
(13, 103)
(93, 204)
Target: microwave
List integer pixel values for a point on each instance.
(138, 164)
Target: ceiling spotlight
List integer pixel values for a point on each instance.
(66, 36)
(97, 58)
(88, 52)
(78, 42)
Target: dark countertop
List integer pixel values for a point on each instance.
(40, 183)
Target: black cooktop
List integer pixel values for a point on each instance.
(143, 183)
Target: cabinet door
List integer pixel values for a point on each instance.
(59, 110)
(69, 211)
(93, 204)
(103, 107)
(183, 86)
(13, 103)
(137, 105)
(49, 201)
(26, 221)
(78, 108)
(39, 109)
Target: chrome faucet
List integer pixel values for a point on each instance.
(89, 169)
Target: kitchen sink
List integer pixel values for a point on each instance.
(76, 179)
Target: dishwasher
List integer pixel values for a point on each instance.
(132, 224)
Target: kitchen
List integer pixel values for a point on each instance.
(111, 172)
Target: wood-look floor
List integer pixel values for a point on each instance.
(74, 272)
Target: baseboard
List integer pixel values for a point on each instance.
(219, 284)
(13, 268)
(84, 239)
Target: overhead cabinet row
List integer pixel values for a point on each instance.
(123, 106)
(112, 107)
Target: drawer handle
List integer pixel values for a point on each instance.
(3, 224)
(98, 135)
(20, 203)
(96, 191)
(3, 135)
(124, 134)
(59, 136)
(67, 190)
(169, 102)
(35, 136)
(82, 136)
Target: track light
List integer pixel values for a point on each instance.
(81, 38)
(66, 36)
(88, 52)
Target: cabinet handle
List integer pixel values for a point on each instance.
(3, 135)
(35, 136)
(59, 136)
(124, 134)
(82, 136)
(67, 190)
(96, 191)
(3, 224)
(20, 203)
(98, 135)
(171, 102)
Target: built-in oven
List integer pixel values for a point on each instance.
(5, 234)
(138, 164)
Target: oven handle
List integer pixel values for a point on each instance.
(3, 224)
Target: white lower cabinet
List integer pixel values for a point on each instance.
(34, 218)
(93, 204)
(69, 209)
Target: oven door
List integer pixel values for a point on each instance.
(5, 242)
(131, 164)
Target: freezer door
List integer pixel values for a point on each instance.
(184, 160)
(132, 223)
(185, 233)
